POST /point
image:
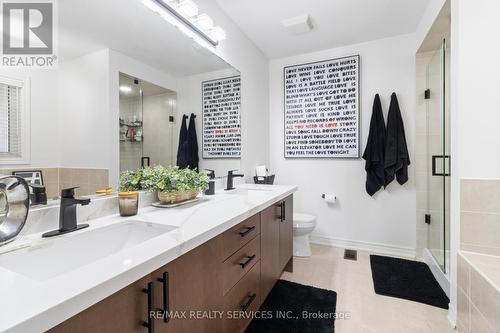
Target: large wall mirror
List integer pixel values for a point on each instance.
(118, 97)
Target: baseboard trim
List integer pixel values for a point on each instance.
(392, 250)
(441, 278)
(452, 316)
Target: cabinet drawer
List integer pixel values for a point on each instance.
(234, 238)
(237, 265)
(242, 299)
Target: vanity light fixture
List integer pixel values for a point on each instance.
(188, 8)
(218, 33)
(204, 21)
(125, 89)
(183, 14)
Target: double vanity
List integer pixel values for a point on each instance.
(201, 267)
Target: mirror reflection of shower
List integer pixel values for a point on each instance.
(147, 113)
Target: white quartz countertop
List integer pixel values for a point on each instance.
(28, 305)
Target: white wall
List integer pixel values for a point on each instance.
(478, 87)
(385, 222)
(44, 116)
(84, 128)
(475, 101)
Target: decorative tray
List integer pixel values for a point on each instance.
(172, 205)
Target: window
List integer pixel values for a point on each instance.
(14, 121)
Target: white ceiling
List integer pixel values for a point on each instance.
(336, 22)
(440, 29)
(127, 26)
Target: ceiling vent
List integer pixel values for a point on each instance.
(298, 25)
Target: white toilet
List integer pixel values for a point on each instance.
(303, 225)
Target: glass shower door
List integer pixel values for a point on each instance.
(438, 143)
(131, 129)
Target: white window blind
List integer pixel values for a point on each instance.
(14, 120)
(10, 120)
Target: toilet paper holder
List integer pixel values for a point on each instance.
(329, 200)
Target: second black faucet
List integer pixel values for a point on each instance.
(230, 177)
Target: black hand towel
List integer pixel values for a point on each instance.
(375, 150)
(192, 140)
(397, 158)
(182, 150)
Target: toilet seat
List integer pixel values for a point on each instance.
(301, 220)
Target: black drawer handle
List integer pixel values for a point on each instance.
(247, 230)
(247, 261)
(166, 310)
(150, 324)
(281, 215)
(247, 304)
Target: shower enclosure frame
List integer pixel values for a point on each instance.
(439, 158)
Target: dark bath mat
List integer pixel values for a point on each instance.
(297, 298)
(407, 279)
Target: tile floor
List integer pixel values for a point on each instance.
(369, 312)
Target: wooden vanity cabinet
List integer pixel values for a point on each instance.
(193, 291)
(240, 258)
(233, 272)
(276, 242)
(270, 254)
(124, 311)
(286, 235)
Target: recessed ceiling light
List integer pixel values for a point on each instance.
(298, 25)
(125, 89)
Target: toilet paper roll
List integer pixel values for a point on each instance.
(260, 171)
(330, 198)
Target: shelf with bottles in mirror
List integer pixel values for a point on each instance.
(131, 131)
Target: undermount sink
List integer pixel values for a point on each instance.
(51, 258)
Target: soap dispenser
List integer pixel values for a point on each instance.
(211, 182)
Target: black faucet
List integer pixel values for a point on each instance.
(38, 195)
(230, 176)
(210, 173)
(67, 213)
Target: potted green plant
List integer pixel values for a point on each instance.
(172, 184)
(128, 195)
(130, 181)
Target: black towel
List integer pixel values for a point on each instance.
(182, 150)
(192, 140)
(397, 158)
(375, 150)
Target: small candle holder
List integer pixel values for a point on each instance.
(128, 203)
